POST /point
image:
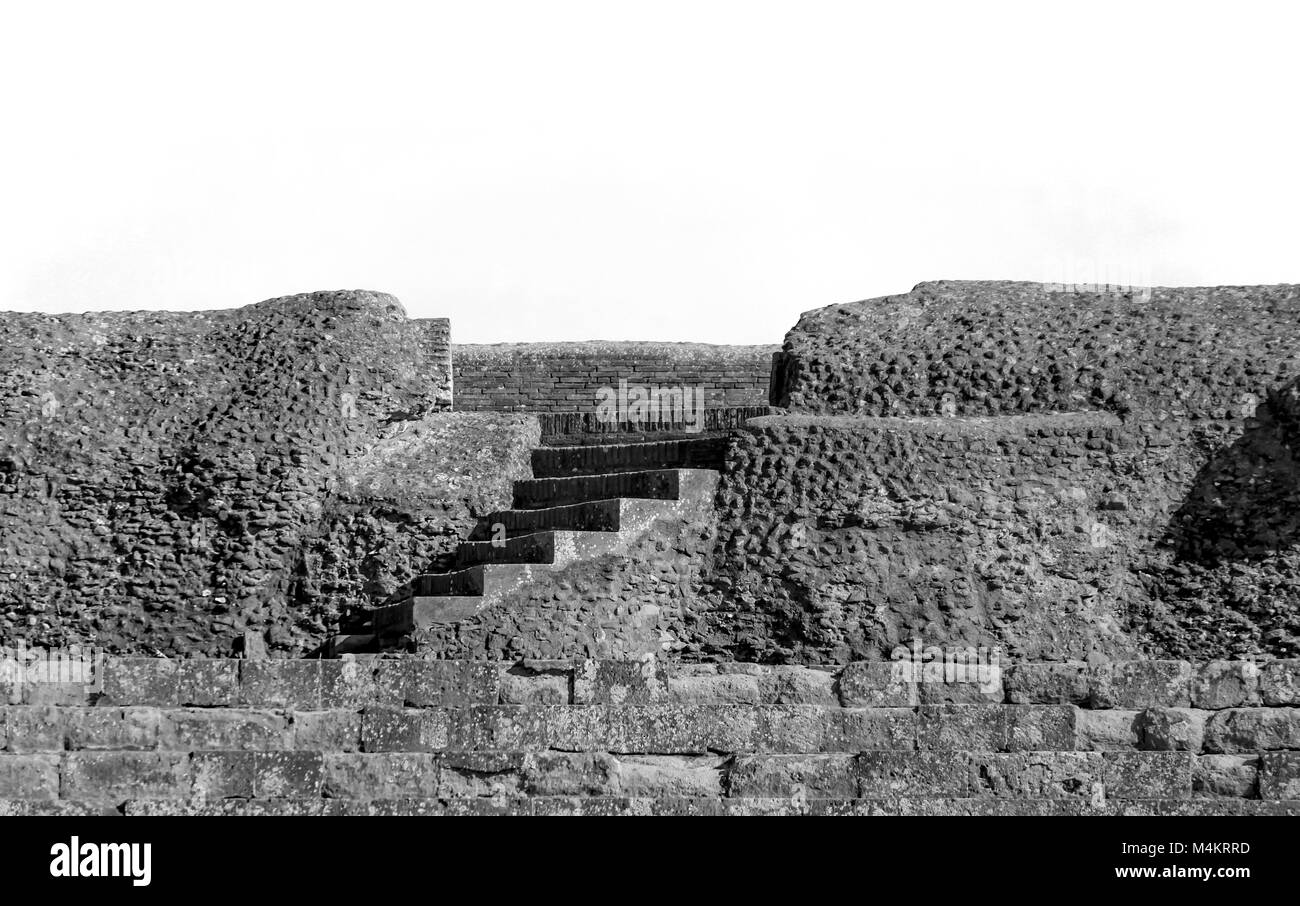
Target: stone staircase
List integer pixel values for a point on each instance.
(585, 502)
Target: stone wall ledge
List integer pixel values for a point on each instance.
(361, 681)
(1012, 425)
(645, 806)
(1078, 779)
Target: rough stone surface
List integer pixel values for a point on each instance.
(171, 482)
(996, 348)
(407, 736)
(1051, 537)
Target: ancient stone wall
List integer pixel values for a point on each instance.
(944, 511)
(996, 348)
(400, 736)
(565, 377)
(169, 481)
(1052, 536)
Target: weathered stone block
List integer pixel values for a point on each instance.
(571, 774)
(1142, 684)
(1279, 682)
(390, 729)
(588, 806)
(27, 777)
(197, 729)
(140, 681)
(351, 683)
(792, 685)
(326, 731)
(290, 684)
(435, 684)
(1039, 775)
(619, 682)
(576, 728)
(803, 776)
(713, 688)
(118, 776)
(1106, 731)
(923, 774)
(1279, 775)
(279, 808)
(536, 683)
(36, 728)
(470, 774)
(207, 683)
(487, 728)
(52, 808)
(1171, 729)
(682, 729)
(682, 806)
(1148, 775)
(1046, 684)
(985, 806)
(288, 775)
(971, 727)
(221, 775)
(657, 776)
(1039, 728)
(1225, 684)
(1253, 730)
(878, 729)
(380, 775)
(764, 806)
(877, 684)
(1226, 775)
(43, 693)
(113, 728)
(959, 684)
(797, 729)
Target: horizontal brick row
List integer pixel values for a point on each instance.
(306, 685)
(616, 806)
(652, 728)
(1087, 777)
(559, 377)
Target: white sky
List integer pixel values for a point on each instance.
(608, 170)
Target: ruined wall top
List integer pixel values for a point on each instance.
(997, 348)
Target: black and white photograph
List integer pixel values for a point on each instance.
(612, 409)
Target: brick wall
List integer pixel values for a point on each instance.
(400, 736)
(564, 377)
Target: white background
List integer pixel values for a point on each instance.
(675, 171)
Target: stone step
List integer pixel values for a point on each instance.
(546, 547)
(699, 453)
(539, 493)
(591, 516)
(351, 643)
(537, 547)
(469, 580)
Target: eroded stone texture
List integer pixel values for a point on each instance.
(995, 348)
(173, 481)
(1063, 537)
(925, 482)
(612, 746)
